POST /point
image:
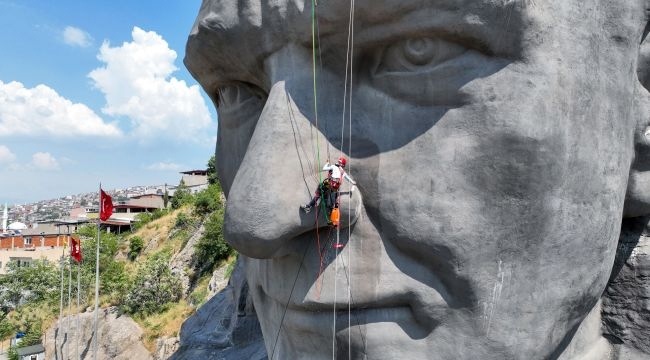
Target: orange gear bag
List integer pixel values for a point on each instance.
(335, 217)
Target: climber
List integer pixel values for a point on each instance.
(330, 186)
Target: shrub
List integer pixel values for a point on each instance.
(38, 282)
(113, 279)
(141, 220)
(154, 287)
(212, 170)
(212, 247)
(135, 247)
(231, 266)
(182, 196)
(208, 200)
(33, 334)
(182, 221)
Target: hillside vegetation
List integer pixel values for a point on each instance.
(135, 273)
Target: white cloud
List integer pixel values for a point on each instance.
(161, 166)
(76, 37)
(6, 156)
(41, 111)
(137, 83)
(44, 161)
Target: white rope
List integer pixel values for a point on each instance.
(336, 270)
(350, 196)
(345, 85)
(348, 70)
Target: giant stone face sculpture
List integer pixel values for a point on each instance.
(492, 141)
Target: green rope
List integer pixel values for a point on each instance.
(313, 47)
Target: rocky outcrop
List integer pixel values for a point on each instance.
(165, 347)
(184, 261)
(626, 302)
(119, 337)
(218, 281)
(226, 327)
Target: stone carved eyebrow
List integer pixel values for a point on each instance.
(231, 39)
(479, 32)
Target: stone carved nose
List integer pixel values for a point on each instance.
(263, 211)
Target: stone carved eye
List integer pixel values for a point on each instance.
(416, 55)
(239, 103)
(236, 95)
(429, 70)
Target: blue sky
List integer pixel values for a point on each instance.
(96, 91)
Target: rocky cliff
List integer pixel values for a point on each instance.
(119, 337)
(626, 302)
(226, 327)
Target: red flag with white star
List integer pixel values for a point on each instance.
(75, 249)
(105, 206)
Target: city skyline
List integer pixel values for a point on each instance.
(110, 101)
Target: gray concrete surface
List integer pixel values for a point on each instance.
(497, 145)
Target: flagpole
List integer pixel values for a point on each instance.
(78, 330)
(69, 298)
(97, 277)
(61, 301)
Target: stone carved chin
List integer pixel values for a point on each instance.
(497, 146)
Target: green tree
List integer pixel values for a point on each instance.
(12, 354)
(144, 218)
(212, 247)
(38, 282)
(135, 247)
(208, 200)
(212, 170)
(182, 221)
(112, 277)
(33, 334)
(7, 329)
(181, 196)
(153, 288)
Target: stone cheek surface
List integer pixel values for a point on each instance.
(626, 302)
(226, 327)
(491, 175)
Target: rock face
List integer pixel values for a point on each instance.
(225, 328)
(166, 347)
(626, 305)
(496, 146)
(218, 281)
(185, 260)
(119, 338)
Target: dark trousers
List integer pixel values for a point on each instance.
(330, 195)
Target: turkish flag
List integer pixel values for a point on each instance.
(75, 249)
(105, 206)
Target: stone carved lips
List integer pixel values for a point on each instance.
(400, 298)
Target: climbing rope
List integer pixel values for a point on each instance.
(286, 306)
(348, 70)
(298, 142)
(349, 278)
(315, 28)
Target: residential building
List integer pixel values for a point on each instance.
(34, 352)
